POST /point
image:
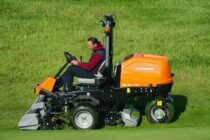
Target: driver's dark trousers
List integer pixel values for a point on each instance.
(72, 71)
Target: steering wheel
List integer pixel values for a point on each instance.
(69, 57)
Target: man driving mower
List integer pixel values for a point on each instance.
(84, 70)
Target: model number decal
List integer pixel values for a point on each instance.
(144, 69)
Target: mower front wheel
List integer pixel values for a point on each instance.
(84, 117)
(159, 114)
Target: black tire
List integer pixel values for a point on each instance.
(168, 110)
(84, 117)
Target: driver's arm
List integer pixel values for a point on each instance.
(95, 59)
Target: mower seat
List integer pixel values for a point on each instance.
(86, 81)
(99, 75)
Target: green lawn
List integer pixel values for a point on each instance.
(35, 33)
(193, 133)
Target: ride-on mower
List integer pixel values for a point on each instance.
(103, 100)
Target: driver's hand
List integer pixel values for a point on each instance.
(74, 62)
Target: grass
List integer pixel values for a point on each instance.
(198, 133)
(35, 33)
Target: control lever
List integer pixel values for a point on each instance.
(80, 58)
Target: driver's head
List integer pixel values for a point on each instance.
(92, 42)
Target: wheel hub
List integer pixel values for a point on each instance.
(84, 119)
(159, 114)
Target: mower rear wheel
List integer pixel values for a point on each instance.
(84, 117)
(156, 114)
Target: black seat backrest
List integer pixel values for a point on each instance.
(102, 69)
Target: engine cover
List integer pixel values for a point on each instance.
(143, 70)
